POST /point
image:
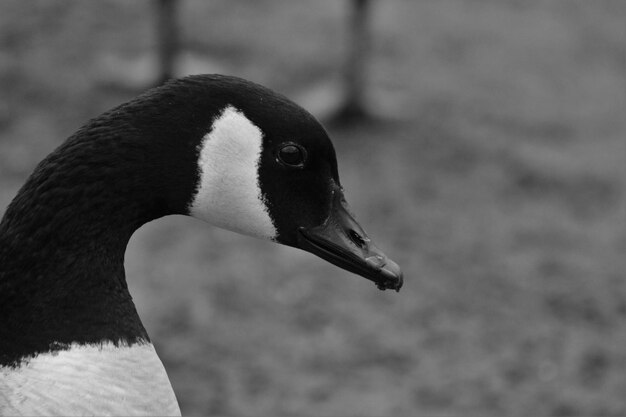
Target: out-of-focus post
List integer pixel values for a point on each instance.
(167, 38)
(354, 108)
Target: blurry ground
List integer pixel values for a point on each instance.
(498, 182)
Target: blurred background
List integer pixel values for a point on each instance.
(481, 143)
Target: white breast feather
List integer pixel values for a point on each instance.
(89, 380)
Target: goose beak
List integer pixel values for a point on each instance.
(341, 241)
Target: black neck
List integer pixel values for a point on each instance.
(63, 238)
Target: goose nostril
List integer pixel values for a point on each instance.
(357, 239)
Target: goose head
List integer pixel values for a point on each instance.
(221, 149)
(218, 148)
(267, 168)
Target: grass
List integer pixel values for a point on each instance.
(497, 179)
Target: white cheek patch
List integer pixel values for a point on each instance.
(228, 193)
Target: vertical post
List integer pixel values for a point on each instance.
(355, 70)
(167, 38)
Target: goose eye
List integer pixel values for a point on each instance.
(292, 155)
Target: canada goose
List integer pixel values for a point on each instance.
(217, 148)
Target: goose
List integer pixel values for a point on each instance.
(218, 148)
